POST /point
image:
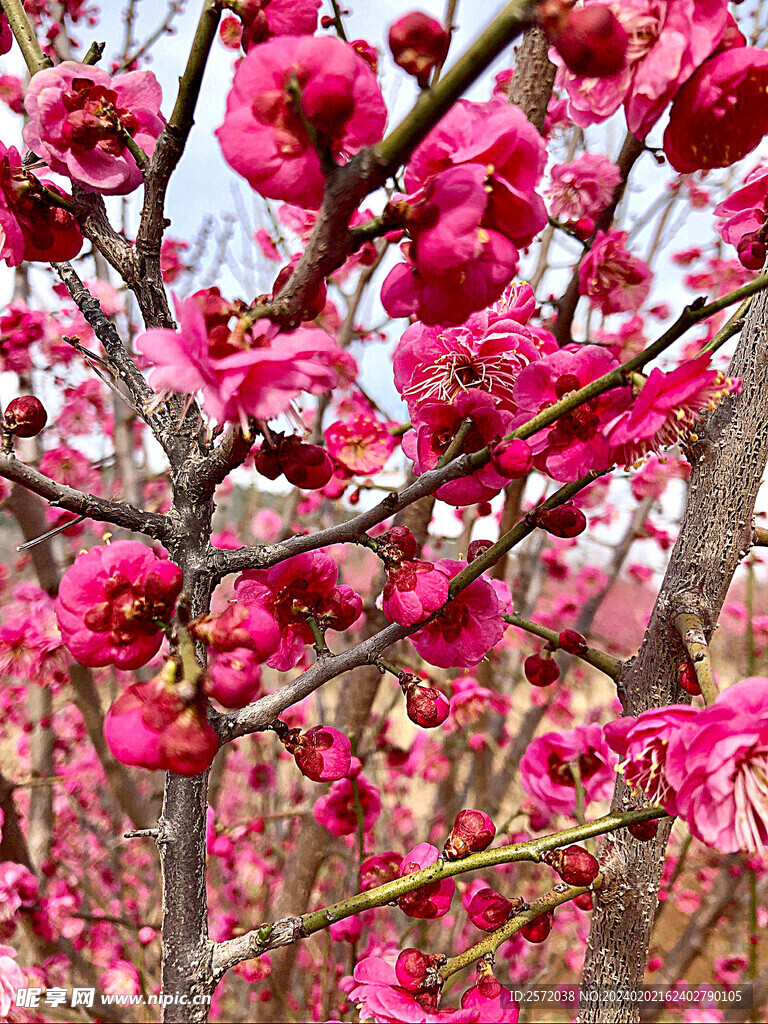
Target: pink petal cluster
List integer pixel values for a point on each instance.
(582, 188)
(20, 328)
(642, 744)
(435, 426)
(259, 381)
(11, 980)
(290, 591)
(717, 766)
(413, 591)
(545, 772)
(612, 278)
(667, 407)
(110, 600)
(433, 899)
(379, 996)
(263, 136)
(576, 441)
(337, 810)
(467, 628)
(150, 726)
(486, 354)
(721, 113)
(361, 444)
(323, 754)
(262, 19)
(30, 228)
(743, 214)
(473, 204)
(234, 677)
(668, 40)
(77, 119)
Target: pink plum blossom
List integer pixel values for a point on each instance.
(582, 188)
(433, 899)
(642, 744)
(11, 980)
(109, 602)
(546, 776)
(576, 442)
(668, 406)
(721, 113)
(413, 591)
(361, 444)
(76, 116)
(435, 426)
(467, 628)
(264, 138)
(717, 766)
(668, 40)
(336, 811)
(486, 354)
(259, 381)
(612, 278)
(30, 228)
(299, 586)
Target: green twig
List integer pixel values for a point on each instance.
(25, 36)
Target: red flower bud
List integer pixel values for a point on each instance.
(314, 302)
(189, 744)
(563, 521)
(306, 465)
(418, 43)
(426, 705)
(751, 250)
(484, 508)
(25, 416)
(489, 910)
(267, 462)
(477, 548)
(574, 864)
(592, 41)
(686, 678)
(512, 458)
(538, 929)
(540, 671)
(411, 969)
(644, 831)
(572, 642)
(472, 831)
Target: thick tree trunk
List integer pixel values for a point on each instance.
(728, 462)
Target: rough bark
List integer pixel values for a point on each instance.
(534, 77)
(728, 462)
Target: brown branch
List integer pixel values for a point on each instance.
(89, 505)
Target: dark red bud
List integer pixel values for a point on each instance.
(644, 831)
(418, 43)
(563, 521)
(686, 678)
(477, 548)
(307, 466)
(25, 416)
(592, 41)
(538, 929)
(574, 864)
(572, 642)
(512, 458)
(472, 832)
(540, 671)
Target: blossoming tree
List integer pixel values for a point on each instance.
(208, 724)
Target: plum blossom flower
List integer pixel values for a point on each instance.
(668, 40)
(379, 996)
(78, 117)
(472, 185)
(485, 354)
(121, 978)
(413, 591)
(575, 443)
(721, 113)
(11, 979)
(743, 213)
(290, 591)
(20, 328)
(433, 899)
(361, 444)
(337, 810)
(642, 744)
(259, 381)
(582, 188)
(110, 601)
(265, 139)
(612, 278)
(30, 227)
(467, 628)
(437, 423)
(717, 766)
(667, 407)
(545, 772)
(263, 19)
(18, 888)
